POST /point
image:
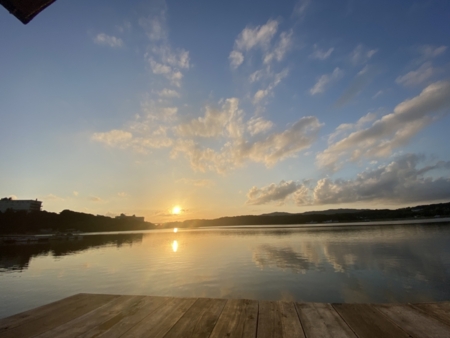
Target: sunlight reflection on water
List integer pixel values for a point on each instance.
(346, 264)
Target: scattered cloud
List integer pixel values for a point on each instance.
(168, 93)
(301, 7)
(272, 193)
(361, 54)
(257, 37)
(122, 194)
(75, 193)
(416, 77)
(95, 199)
(392, 130)
(257, 125)
(263, 93)
(51, 197)
(108, 40)
(280, 49)
(325, 80)
(357, 85)
(236, 59)
(402, 180)
(429, 52)
(321, 54)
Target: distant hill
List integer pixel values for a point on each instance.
(332, 215)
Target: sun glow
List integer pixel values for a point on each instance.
(176, 210)
(175, 246)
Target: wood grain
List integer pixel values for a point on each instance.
(321, 320)
(238, 319)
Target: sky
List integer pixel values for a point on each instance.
(178, 110)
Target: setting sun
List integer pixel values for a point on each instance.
(176, 210)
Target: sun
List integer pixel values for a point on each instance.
(176, 210)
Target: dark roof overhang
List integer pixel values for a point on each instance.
(25, 10)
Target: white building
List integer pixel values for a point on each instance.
(18, 205)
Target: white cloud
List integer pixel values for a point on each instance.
(236, 58)
(260, 36)
(122, 194)
(263, 93)
(258, 125)
(280, 49)
(392, 130)
(114, 138)
(155, 26)
(170, 73)
(321, 54)
(108, 40)
(416, 77)
(361, 54)
(326, 79)
(400, 181)
(168, 93)
(227, 121)
(272, 193)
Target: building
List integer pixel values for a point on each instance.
(19, 205)
(134, 217)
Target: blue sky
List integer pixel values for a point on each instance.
(226, 108)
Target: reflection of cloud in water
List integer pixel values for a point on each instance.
(284, 258)
(409, 259)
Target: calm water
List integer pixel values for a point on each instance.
(345, 264)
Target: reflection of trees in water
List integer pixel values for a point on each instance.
(18, 256)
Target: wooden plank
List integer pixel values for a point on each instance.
(367, 322)
(440, 311)
(238, 319)
(413, 321)
(162, 320)
(290, 321)
(199, 320)
(90, 320)
(52, 315)
(321, 320)
(118, 326)
(269, 320)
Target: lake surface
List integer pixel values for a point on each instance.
(388, 263)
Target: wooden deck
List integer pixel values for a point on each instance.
(92, 315)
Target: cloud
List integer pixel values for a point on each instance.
(301, 7)
(416, 77)
(75, 193)
(108, 40)
(259, 36)
(162, 58)
(392, 130)
(95, 199)
(196, 182)
(429, 52)
(263, 93)
(281, 48)
(400, 181)
(113, 138)
(51, 197)
(168, 93)
(326, 79)
(236, 59)
(235, 152)
(227, 121)
(272, 193)
(359, 82)
(122, 194)
(361, 54)
(258, 125)
(321, 54)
